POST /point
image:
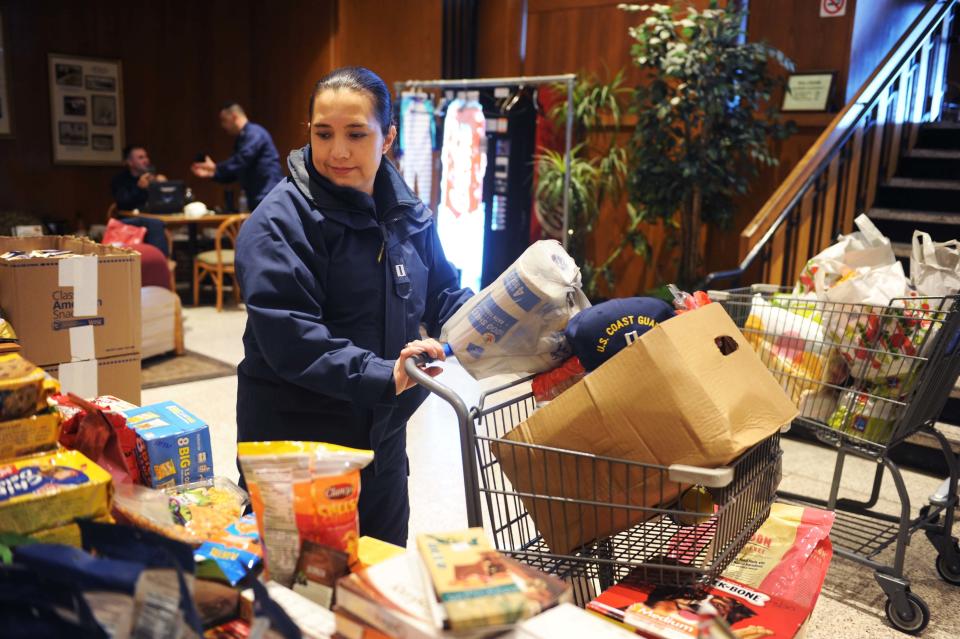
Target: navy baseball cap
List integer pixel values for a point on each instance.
(600, 332)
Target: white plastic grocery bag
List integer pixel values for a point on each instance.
(516, 324)
(866, 248)
(935, 266)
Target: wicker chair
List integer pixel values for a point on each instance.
(219, 261)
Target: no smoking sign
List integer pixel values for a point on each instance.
(833, 8)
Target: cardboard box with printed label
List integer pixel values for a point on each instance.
(690, 391)
(117, 376)
(173, 445)
(71, 309)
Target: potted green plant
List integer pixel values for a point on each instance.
(598, 172)
(705, 119)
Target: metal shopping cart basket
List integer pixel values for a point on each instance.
(866, 378)
(678, 525)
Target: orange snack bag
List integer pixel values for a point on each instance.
(303, 491)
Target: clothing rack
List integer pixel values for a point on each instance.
(476, 83)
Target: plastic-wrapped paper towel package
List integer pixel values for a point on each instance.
(516, 324)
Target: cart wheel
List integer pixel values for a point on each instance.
(919, 617)
(950, 573)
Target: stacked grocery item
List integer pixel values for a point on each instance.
(453, 584)
(768, 591)
(82, 322)
(848, 342)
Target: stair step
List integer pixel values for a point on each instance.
(951, 432)
(919, 194)
(923, 183)
(935, 154)
(939, 135)
(914, 217)
(901, 249)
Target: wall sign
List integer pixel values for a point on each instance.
(808, 92)
(833, 8)
(86, 110)
(6, 117)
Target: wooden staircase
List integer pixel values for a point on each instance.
(888, 154)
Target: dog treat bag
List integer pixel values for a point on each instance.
(303, 491)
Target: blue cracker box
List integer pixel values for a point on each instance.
(173, 445)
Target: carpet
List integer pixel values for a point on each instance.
(168, 370)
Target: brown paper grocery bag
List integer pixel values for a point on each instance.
(676, 396)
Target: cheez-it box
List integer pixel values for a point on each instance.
(173, 445)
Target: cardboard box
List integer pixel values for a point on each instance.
(672, 397)
(118, 376)
(72, 309)
(173, 445)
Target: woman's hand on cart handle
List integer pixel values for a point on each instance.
(428, 347)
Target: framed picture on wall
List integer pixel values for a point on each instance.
(6, 113)
(808, 91)
(86, 109)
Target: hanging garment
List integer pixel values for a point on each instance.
(547, 224)
(508, 187)
(460, 216)
(418, 133)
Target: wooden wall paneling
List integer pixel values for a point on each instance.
(813, 43)
(299, 50)
(829, 211)
(500, 38)
(398, 40)
(176, 72)
(775, 263)
(805, 229)
(850, 179)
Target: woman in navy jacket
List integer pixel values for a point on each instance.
(340, 265)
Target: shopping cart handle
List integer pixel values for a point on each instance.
(709, 477)
(413, 368)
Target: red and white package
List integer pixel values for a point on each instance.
(547, 386)
(767, 592)
(84, 428)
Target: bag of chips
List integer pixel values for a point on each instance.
(303, 491)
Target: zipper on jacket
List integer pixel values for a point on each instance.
(383, 243)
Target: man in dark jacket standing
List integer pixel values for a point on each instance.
(255, 162)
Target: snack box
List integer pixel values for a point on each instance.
(173, 445)
(46, 491)
(29, 435)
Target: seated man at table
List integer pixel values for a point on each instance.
(129, 186)
(255, 162)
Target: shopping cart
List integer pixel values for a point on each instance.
(866, 378)
(672, 525)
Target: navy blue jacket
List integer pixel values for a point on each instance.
(126, 193)
(336, 282)
(255, 163)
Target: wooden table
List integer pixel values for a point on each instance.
(176, 220)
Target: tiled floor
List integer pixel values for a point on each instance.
(851, 605)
